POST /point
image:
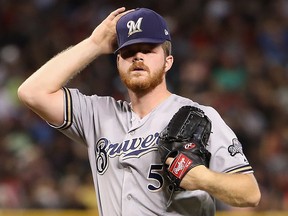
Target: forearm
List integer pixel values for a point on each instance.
(42, 92)
(60, 69)
(234, 189)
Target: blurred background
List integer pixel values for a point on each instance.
(229, 54)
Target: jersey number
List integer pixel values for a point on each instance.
(154, 174)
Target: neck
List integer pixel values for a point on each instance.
(144, 103)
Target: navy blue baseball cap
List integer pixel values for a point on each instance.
(141, 26)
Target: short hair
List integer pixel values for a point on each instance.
(167, 47)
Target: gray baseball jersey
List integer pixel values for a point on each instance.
(125, 163)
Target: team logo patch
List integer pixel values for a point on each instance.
(180, 165)
(235, 148)
(134, 27)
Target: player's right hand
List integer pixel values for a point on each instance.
(104, 35)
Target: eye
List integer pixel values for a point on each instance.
(127, 53)
(145, 51)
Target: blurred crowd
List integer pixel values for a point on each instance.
(229, 54)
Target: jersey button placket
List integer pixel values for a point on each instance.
(129, 196)
(128, 205)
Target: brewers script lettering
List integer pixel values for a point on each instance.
(131, 148)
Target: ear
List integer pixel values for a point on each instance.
(168, 62)
(117, 60)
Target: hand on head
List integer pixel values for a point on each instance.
(104, 34)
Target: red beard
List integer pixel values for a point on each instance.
(144, 84)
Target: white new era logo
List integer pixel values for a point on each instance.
(134, 27)
(166, 32)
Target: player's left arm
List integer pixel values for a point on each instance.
(236, 189)
(240, 190)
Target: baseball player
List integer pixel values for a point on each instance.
(122, 137)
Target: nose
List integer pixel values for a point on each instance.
(137, 58)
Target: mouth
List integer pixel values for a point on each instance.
(138, 68)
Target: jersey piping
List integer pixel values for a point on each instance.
(67, 111)
(242, 169)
